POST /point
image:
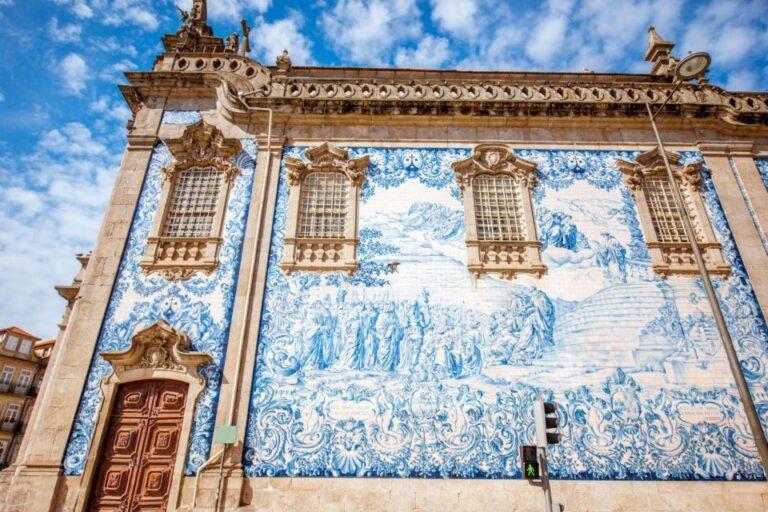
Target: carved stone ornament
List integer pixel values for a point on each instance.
(327, 158)
(651, 163)
(203, 145)
(494, 159)
(158, 347)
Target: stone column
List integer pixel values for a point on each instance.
(37, 484)
(243, 335)
(736, 202)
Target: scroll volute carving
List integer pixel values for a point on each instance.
(327, 158)
(494, 159)
(158, 347)
(651, 163)
(203, 145)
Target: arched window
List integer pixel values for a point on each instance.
(498, 212)
(321, 230)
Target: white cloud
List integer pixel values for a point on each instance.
(69, 33)
(116, 111)
(547, 39)
(74, 73)
(742, 80)
(54, 201)
(230, 10)
(432, 52)
(364, 31)
(114, 46)
(455, 16)
(114, 72)
(270, 39)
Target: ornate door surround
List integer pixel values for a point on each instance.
(157, 353)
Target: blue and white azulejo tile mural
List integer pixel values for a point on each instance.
(201, 307)
(411, 370)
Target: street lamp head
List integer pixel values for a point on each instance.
(693, 66)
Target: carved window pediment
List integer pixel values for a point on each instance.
(662, 225)
(321, 232)
(158, 347)
(498, 212)
(186, 234)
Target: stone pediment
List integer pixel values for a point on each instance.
(651, 163)
(158, 347)
(494, 159)
(327, 158)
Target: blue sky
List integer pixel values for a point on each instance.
(62, 120)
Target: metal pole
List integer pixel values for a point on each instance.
(221, 475)
(725, 336)
(542, 453)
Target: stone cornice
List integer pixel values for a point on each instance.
(239, 83)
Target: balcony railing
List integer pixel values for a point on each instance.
(4, 387)
(10, 426)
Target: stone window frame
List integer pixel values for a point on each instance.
(323, 254)
(158, 352)
(202, 146)
(674, 258)
(504, 258)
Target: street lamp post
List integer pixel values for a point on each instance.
(694, 66)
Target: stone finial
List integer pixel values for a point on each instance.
(659, 52)
(283, 62)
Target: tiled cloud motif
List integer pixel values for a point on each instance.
(201, 307)
(407, 369)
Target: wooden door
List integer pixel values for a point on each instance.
(140, 449)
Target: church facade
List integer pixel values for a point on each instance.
(343, 289)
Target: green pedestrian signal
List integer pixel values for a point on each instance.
(530, 460)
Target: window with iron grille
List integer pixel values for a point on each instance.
(664, 215)
(193, 203)
(323, 205)
(498, 208)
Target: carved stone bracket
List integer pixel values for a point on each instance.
(158, 347)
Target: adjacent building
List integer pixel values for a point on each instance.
(21, 370)
(343, 288)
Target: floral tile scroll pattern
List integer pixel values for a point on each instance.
(200, 307)
(412, 370)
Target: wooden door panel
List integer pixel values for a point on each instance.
(141, 446)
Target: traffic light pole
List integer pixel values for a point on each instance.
(542, 453)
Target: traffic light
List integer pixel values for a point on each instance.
(530, 462)
(545, 417)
